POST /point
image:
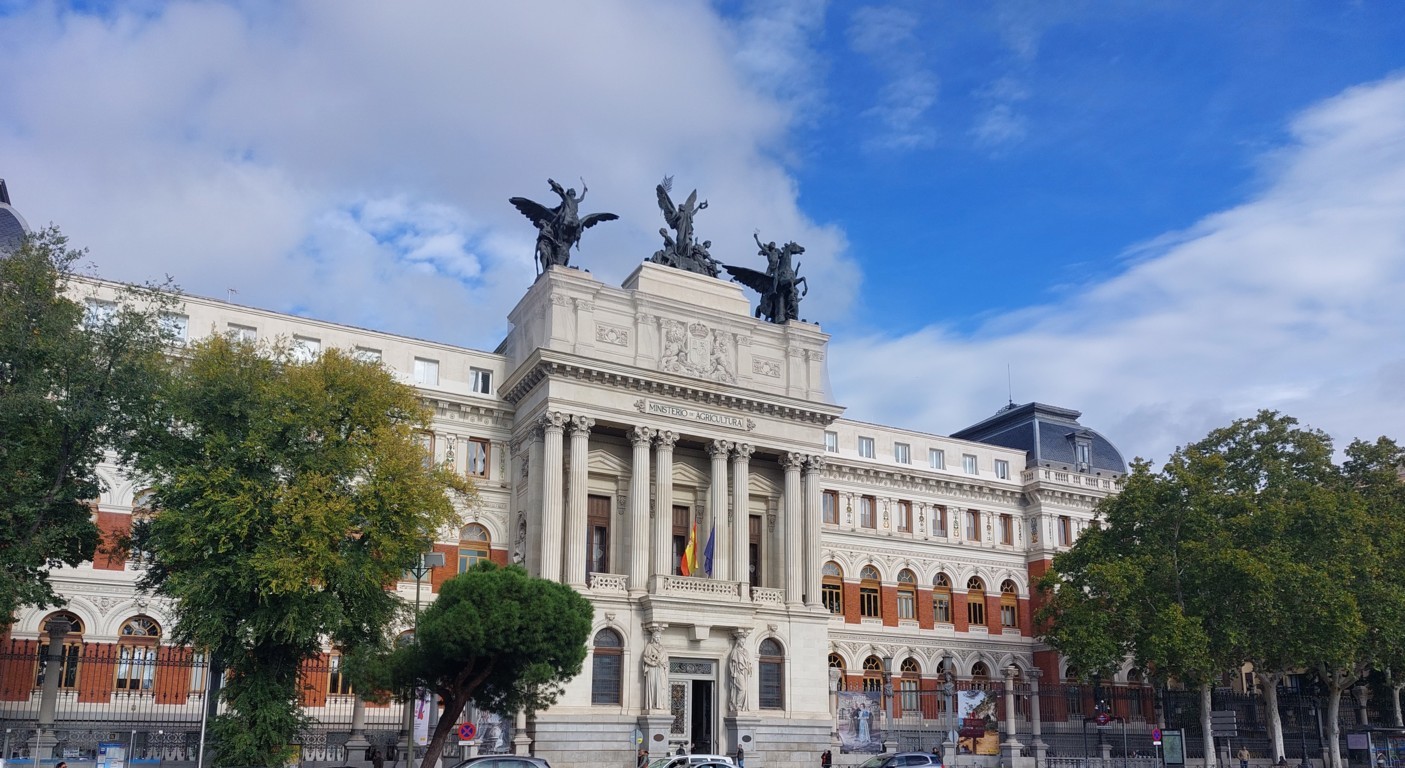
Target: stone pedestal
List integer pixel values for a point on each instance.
(655, 728)
(521, 742)
(741, 732)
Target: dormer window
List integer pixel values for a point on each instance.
(1082, 450)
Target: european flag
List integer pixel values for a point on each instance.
(708, 550)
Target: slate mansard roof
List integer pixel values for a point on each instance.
(12, 225)
(1049, 435)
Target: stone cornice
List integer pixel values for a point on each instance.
(662, 385)
(913, 482)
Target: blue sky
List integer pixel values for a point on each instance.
(1166, 215)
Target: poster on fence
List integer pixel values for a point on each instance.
(860, 721)
(494, 733)
(980, 730)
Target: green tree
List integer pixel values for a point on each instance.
(288, 496)
(496, 637)
(70, 383)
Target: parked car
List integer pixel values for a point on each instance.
(503, 761)
(692, 761)
(902, 760)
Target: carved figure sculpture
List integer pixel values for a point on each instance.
(559, 228)
(655, 673)
(679, 250)
(739, 665)
(780, 288)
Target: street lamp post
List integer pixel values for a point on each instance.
(428, 561)
(889, 710)
(949, 688)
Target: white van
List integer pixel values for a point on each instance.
(683, 761)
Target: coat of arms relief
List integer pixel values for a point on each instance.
(696, 350)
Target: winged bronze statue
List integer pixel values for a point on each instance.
(559, 228)
(680, 250)
(779, 286)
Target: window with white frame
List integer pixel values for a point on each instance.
(936, 457)
(97, 312)
(306, 349)
(176, 327)
(1002, 469)
(866, 447)
(242, 332)
(831, 442)
(480, 380)
(968, 463)
(426, 372)
(902, 453)
(476, 449)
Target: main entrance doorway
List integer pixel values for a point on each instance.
(692, 701)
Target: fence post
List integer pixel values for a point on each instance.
(1035, 725)
(1010, 750)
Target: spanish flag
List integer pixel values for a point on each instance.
(688, 564)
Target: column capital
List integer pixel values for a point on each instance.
(793, 460)
(552, 420)
(743, 451)
(719, 448)
(581, 424)
(666, 438)
(814, 464)
(639, 435)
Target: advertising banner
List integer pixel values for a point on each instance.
(980, 731)
(860, 721)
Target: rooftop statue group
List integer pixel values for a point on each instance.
(560, 228)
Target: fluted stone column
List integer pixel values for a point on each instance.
(662, 560)
(575, 508)
(793, 527)
(717, 510)
(814, 469)
(741, 512)
(1010, 749)
(1036, 734)
(639, 438)
(553, 425)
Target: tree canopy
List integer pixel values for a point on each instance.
(71, 382)
(496, 637)
(288, 496)
(1248, 545)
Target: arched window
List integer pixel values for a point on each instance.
(980, 673)
(870, 605)
(337, 682)
(607, 668)
(837, 662)
(770, 668)
(1009, 605)
(136, 653)
(832, 590)
(975, 601)
(72, 648)
(908, 685)
(474, 543)
(907, 594)
(941, 598)
(872, 674)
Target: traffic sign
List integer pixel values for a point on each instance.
(1156, 736)
(1103, 718)
(467, 731)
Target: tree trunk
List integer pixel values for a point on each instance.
(1207, 703)
(1334, 701)
(1268, 681)
(448, 720)
(1395, 703)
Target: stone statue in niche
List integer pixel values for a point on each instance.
(780, 286)
(559, 228)
(739, 669)
(655, 673)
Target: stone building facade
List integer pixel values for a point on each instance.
(611, 425)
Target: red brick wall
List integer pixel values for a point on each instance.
(448, 570)
(992, 613)
(888, 604)
(313, 679)
(97, 672)
(498, 556)
(173, 671)
(1036, 570)
(851, 602)
(113, 527)
(926, 617)
(1026, 617)
(17, 669)
(958, 612)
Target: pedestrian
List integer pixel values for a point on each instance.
(642, 759)
(61, 764)
(1243, 757)
(377, 757)
(741, 757)
(826, 759)
(680, 751)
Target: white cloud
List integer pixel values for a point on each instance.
(1290, 300)
(886, 35)
(227, 144)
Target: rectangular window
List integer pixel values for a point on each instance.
(598, 527)
(480, 381)
(829, 502)
(97, 313)
(866, 447)
(1002, 469)
(426, 372)
(832, 595)
(1065, 531)
(939, 525)
(973, 525)
(682, 517)
(1007, 530)
(902, 453)
(905, 516)
(907, 604)
(337, 682)
(868, 516)
(937, 458)
(831, 442)
(968, 463)
(367, 355)
(975, 612)
(1008, 616)
(199, 665)
(68, 665)
(868, 602)
(941, 608)
(772, 688)
(1084, 456)
(239, 332)
(136, 667)
(306, 349)
(425, 440)
(176, 327)
(753, 547)
(607, 675)
(477, 459)
(470, 553)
